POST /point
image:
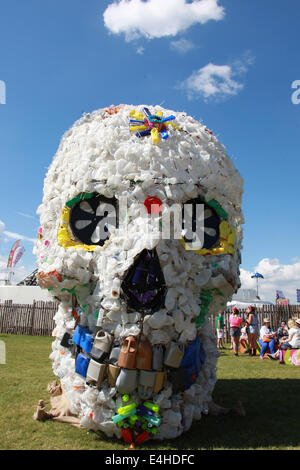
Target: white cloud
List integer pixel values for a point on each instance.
(182, 45)
(212, 81)
(157, 18)
(17, 236)
(217, 82)
(27, 216)
(277, 276)
(140, 50)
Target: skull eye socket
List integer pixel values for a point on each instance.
(93, 220)
(200, 225)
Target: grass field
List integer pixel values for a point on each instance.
(269, 393)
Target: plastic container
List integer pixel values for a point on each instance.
(144, 354)
(173, 355)
(87, 343)
(96, 372)
(159, 381)
(146, 384)
(112, 374)
(82, 363)
(157, 357)
(127, 357)
(103, 341)
(83, 338)
(114, 355)
(66, 340)
(127, 381)
(127, 436)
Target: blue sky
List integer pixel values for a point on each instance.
(230, 63)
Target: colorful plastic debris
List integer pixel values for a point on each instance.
(151, 124)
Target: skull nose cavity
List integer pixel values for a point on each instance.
(144, 286)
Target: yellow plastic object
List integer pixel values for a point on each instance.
(142, 127)
(136, 115)
(173, 125)
(125, 409)
(224, 229)
(155, 136)
(64, 237)
(227, 241)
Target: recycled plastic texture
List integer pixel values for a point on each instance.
(101, 155)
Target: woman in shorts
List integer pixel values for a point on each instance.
(253, 332)
(235, 329)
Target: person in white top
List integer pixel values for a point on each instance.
(266, 338)
(293, 341)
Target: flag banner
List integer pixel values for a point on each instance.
(279, 294)
(17, 255)
(282, 302)
(12, 252)
(298, 295)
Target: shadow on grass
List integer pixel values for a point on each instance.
(271, 422)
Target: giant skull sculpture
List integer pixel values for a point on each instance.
(133, 345)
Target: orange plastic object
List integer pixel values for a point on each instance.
(112, 110)
(127, 436)
(47, 280)
(75, 314)
(144, 354)
(127, 357)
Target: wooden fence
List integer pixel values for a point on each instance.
(37, 319)
(27, 319)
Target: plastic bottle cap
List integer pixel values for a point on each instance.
(153, 205)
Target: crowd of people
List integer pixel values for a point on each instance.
(247, 335)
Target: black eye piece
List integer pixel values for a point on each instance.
(200, 224)
(93, 220)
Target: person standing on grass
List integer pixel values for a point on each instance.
(266, 339)
(220, 330)
(244, 338)
(235, 329)
(253, 331)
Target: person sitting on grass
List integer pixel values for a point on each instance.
(292, 342)
(266, 338)
(282, 331)
(291, 326)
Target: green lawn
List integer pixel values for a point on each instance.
(268, 391)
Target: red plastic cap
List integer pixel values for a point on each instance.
(153, 205)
